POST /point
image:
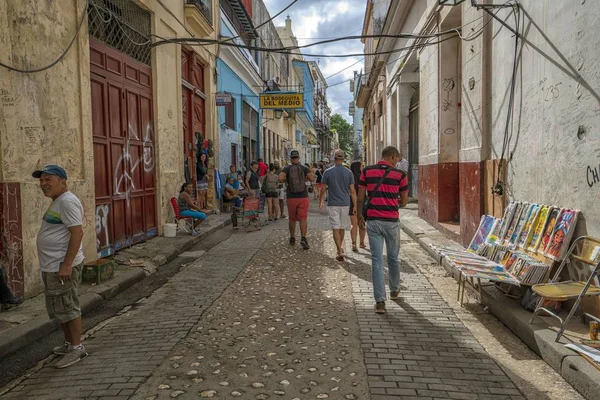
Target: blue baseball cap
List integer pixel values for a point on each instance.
(51, 170)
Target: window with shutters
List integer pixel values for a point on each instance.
(230, 115)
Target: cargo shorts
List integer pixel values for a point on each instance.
(62, 299)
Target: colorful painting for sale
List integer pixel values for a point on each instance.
(507, 218)
(538, 228)
(493, 236)
(519, 209)
(514, 239)
(485, 227)
(548, 229)
(562, 234)
(527, 229)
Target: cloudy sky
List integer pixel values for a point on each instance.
(313, 20)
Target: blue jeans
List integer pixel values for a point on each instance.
(193, 214)
(380, 232)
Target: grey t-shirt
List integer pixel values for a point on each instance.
(338, 180)
(53, 239)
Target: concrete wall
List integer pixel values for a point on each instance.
(44, 118)
(555, 142)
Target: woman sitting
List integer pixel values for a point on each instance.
(187, 206)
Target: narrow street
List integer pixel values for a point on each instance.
(254, 318)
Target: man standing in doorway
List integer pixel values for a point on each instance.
(295, 177)
(61, 259)
(252, 180)
(387, 188)
(338, 181)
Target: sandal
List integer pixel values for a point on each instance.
(354, 248)
(339, 258)
(363, 246)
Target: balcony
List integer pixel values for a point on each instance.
(199, 16)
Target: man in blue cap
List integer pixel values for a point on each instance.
(61, 259)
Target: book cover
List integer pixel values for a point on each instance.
(538, 228)
(562, 234)
(485, 227)
(548, 229)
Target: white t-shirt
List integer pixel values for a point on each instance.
(53, 239)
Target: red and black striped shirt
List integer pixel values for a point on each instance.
(383, 204)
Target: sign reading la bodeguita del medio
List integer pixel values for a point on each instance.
(281, 100)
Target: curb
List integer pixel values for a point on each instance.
(573, 368)
(15, 338)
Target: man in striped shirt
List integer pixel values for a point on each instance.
(385, 196)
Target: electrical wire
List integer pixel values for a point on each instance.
(348, 67)
(511, 101)
(60, 58)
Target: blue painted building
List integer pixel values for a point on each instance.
(305, 115)
(238, 74)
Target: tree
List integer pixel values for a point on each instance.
(344, 130)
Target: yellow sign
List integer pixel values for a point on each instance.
(281, 100)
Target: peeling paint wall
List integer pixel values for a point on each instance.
(44, 119)
(555, 137)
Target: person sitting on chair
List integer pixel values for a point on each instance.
(187, 206)
(231, 193)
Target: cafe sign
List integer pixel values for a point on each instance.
(281, 100)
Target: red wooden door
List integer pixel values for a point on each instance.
(123, 137)
(193, 108)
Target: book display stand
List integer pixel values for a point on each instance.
(520, 249)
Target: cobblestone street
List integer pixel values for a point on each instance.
(255, 318)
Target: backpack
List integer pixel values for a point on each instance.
(296, 179)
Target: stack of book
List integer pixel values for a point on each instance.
(525, 268)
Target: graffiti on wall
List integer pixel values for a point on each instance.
(592, 175)
(103, 246)
(12, 251)
(448, 86)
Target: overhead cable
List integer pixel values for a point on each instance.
(60, 58)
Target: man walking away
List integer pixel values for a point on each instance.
(338, 181)
(295, 176)
(61, 260)
(383, 184)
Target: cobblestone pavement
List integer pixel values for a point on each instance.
(254, 318)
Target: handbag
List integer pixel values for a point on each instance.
(368, 201)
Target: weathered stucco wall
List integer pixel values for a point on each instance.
(555, 141)
(44, 119)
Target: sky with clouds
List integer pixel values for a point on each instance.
(314, 20)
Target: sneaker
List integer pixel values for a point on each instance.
(380, 307)
(304, 243)
(73, 357)
(292, 240)
(63, 349)
(13, 301)
(395, 295)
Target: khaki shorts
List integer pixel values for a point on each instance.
(339, 217)
(62, 300)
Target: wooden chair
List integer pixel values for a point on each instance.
(185, 223)
(588, 253)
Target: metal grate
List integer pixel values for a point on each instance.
(122, 25)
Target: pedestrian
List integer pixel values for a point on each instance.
(60, 255)
(357, 229)
(6, 295)
(295, 177)
(202, 180)
(338, 182)
(319, 180)
(269, 188)
(387, 189)
(263, 169)
(253, 180)
(281, 189)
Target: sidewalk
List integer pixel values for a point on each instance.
(538, 336)
(24, 324)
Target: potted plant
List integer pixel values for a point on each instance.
(211, 150)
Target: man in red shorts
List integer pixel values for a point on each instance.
(295, 176)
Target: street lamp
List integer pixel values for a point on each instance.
(278, 114)
(449, 2)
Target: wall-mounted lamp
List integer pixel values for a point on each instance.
(278, 114)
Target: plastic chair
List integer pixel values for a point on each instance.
(555, 291)
(185, 223)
